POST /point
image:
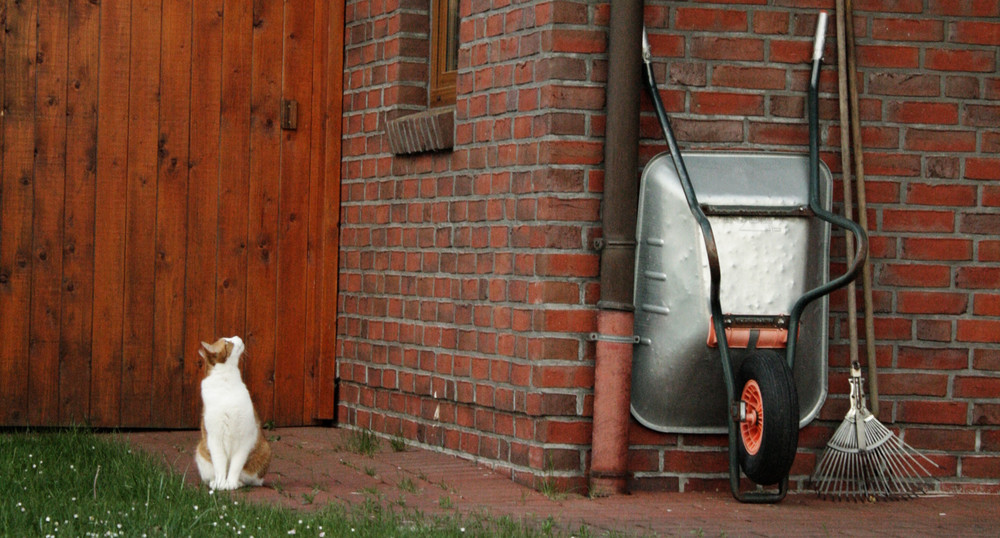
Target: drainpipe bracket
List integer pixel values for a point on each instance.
(598, 337)
(615, 305)
(601, 243)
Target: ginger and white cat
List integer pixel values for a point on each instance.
(233, 451)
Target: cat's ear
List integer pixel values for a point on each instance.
(228, 349)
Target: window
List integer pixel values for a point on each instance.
(416, 125)
(444, 52)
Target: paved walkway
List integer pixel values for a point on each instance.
(310, 470)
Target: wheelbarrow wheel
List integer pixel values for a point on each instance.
(769, 436)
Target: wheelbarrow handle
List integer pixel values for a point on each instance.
(854, 269)
(820, 36)
(711, 248)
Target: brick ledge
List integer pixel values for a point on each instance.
(430, 130)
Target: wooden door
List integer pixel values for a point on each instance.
(152, 197)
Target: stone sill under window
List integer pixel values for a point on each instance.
(429, 130)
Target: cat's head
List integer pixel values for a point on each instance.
(224, 351)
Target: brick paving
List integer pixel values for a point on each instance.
(311, 469)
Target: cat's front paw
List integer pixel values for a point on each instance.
(228, 485)
(223, 484)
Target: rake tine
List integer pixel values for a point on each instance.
(836, 470)
(888, 481)
(912, 464)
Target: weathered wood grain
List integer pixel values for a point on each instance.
(17, 199)
(171, 215)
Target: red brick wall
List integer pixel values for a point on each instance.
(468, 278)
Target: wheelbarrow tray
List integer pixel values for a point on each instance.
(767, 263)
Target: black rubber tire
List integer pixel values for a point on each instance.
(779, 437)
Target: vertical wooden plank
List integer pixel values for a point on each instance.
(203, 194)
(234, 173)
(3, 70)
(171, 215)
(265, 166)
(330, 238)
(140, 220)
(109, 229)
(293, 214)
(15, 211)
(6, 367)
(317, 153)
(78, 236)
(50, 178)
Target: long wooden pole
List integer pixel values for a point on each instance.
(845, 163)
(859, 175)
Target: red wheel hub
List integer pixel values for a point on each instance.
(752, 427)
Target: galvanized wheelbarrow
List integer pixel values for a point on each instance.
(770, 260)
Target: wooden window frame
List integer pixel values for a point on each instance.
(441, 91)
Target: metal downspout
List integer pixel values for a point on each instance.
(613, 354)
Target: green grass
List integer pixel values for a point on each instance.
(73, 483)
(398, 444)
(406, 484)
(551, 489)
(363, 442)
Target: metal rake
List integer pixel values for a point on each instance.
(864, 460)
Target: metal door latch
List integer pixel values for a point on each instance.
(289, 114)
